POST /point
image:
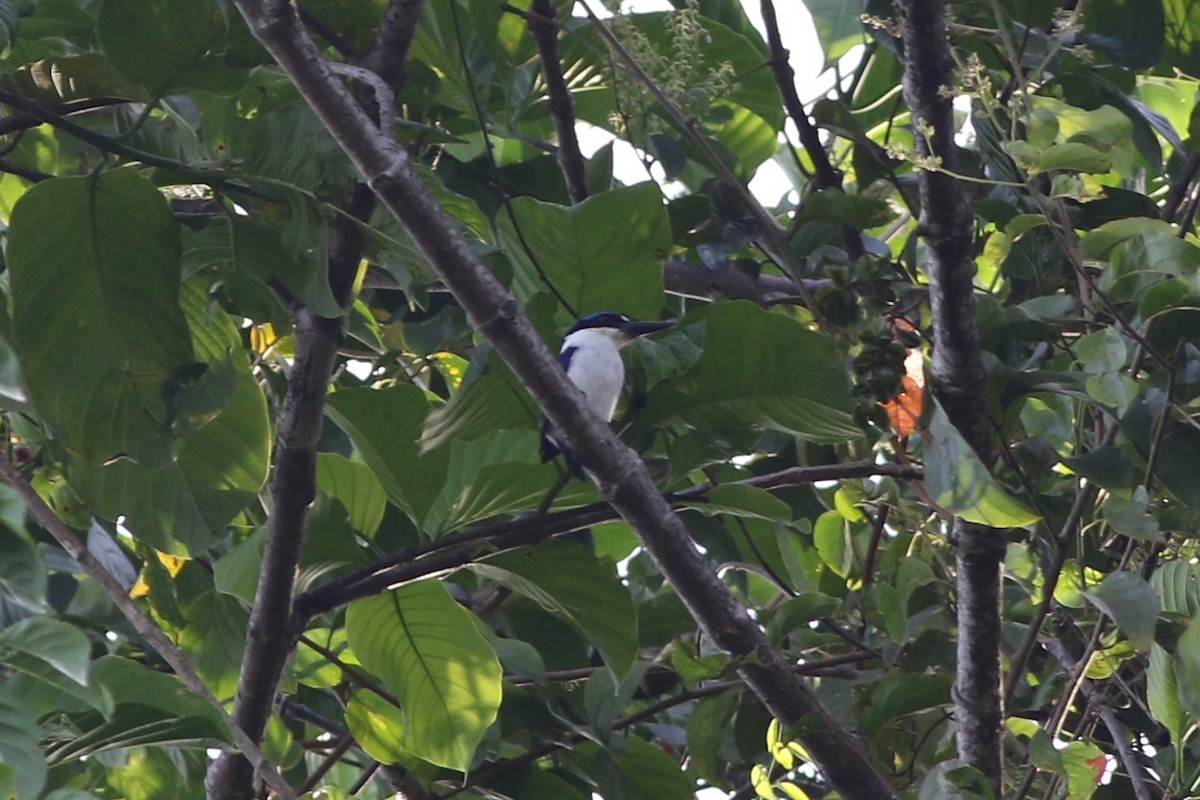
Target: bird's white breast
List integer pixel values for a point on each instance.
(596, 368)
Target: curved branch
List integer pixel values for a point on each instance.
(455, 550)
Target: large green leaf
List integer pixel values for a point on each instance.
(55, 81)
(960, 483)
(19, 735)
(493, 401)
(95, 281)
(58, 644)
(759, 369)
(220, 465)
(498, 474)
(135, 724)
(1162, 694)
(162, 44)
(214, 639)
(385, 425)
(838, 26)
(567, 580)
(425, 648)
(604, 254)
(22, 573)
(1132, 603)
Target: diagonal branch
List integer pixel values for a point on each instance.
(141, 622)
(946, 223)
(562, 107)
(617, 469)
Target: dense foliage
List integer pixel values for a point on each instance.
(180, 227)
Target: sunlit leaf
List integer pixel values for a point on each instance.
(424, 646)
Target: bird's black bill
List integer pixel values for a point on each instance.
(632, 329)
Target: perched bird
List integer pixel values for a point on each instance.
(591, 356)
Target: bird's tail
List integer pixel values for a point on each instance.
(552, 446)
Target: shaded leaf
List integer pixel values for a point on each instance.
(959, 482)
(567, 580)
(604, 254)
(1131, 602)
(95, 280)
(758, 370)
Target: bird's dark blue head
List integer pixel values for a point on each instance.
(619, 322)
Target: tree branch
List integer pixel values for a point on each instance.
(141, 622)
(695, 280)
(388, 57)
(946, 223)
(542, 25)
(617, 469)
(293, 488)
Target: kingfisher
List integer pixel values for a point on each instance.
(591, 356)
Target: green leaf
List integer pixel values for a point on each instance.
(214, 640)
(135, 33)
(1178, 584)
(19, 751)
(133, 725)
(1106, 466)
(54, 81)
(898, 694)
(1102, 351)
(743, 501)
(832, 539)
(385, 425)
(1162, 694)
(959, 482)
(1074, 156)
(707, 727)
(854, 210)
(377, 727)
(221, 462)
(1131, 602)
(425, 648)
(838, 27)
(22, 573)
(647, 773)
(58, 644)
(1187, 667)
(131, 682)
(604, 254)
(567, 580)
(493, 401)
(1132, 517)
(355, 485)
(236, 572)
(759, 370)
(95, 281)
